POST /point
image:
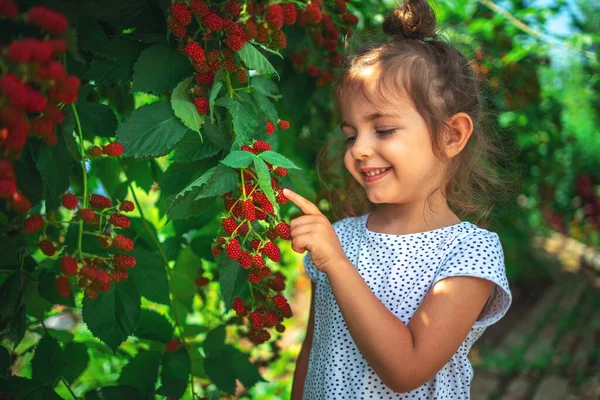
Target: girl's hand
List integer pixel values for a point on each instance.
(313, 232)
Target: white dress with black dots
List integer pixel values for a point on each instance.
(400, 270)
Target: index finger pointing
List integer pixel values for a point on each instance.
(306, 206)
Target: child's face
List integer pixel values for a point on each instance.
(391, 136)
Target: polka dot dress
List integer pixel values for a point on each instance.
(400, 270)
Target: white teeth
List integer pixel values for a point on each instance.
(375, 172)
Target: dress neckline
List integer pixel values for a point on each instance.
(365, 218)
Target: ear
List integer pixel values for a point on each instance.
(457, 136)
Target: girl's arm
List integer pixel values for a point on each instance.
(405, 357)
(302, 362)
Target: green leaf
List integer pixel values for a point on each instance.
(264, 180)
(179, 175)
(140, 171)
(150, 131)
(264, 86)
(174, 376)
(142, 372)
(187, 206)
(121, 392)
(191, 148)
(197, 363)
(245, 119)
(4, 361)
(50, 160)
(214, 92)
(216, 135)
(238, 159)
(223, 180)
(77, 360)
(154, 326)
(119, 70)
(229, 364)
(233, 279)
(49, 361)
(183, 276)
(150, 276)
(160, 68)
(277, 159)
(97, 119)
(113, 315)
(215, 340)
(184, 109)
(255, 60)
(198, 183)
(266, 106)
(18, 326)
(93, 39)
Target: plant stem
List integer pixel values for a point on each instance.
(82, 152)
(229, 87)
(69, 388)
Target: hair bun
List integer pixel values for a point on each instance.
(414, 19)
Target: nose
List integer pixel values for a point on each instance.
(362, 148)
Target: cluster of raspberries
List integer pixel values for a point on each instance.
(92, 273)
(33, 87)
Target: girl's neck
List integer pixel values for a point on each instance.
(402, 219)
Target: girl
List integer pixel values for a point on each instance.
(400, 294)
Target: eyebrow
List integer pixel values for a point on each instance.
(370, 117)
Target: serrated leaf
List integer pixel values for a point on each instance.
(119, 70)
(198, 183)
(122, 392)
(142, 372)
(266, 106)
(150, 276)
(238, 159)
(277, 159)
(154, 326)
(229, 364)
(179, 175)
(187, 206)
(244, 117)
(184, 109)
(197, 363)
(215, 340)
(264, 86)
(191, 148)
(262, 46)
(214, 92)
(183, 276)
(255, 60)
(48, 161)
(92, 38)
(264, 180)
(160, 68)
(223, 180)
(174, 376)
(233, 279)
(151, 131)
(113, 315)
(78, 359)
(49, 361)
(216, 135)
(97, 119)
(47, 289)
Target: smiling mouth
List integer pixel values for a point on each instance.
(375, 172)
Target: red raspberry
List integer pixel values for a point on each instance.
(216, 251)
(258, 261)
(202, 105)
(119, 275)
(340, 6)
(87, 215)
(199, 8)
(251, 29)
(249, 210)
(271, 319)
(123, 243)
(264, 335)
(51, 140)
(238, 305)
(229, 225)
(255, 244)
(6, 169)
(102, 277)
(120, 221)
(275, 16)
(100, 202)
(172, 346)
(126, 206)
(48, 20)
(270, 128)
(287, 311)
(289, 13)
(213, 56)
(70, 201)
(63, 286)
(280, 171)
(241, 76)
(283, 124)
(230, 65)
(350, 19)
(105, 241)
(113, 149)
(233, 249)
(88, 272)
(19, 51)
(53, 113)
(280, 301)
(313, 13)
(312, 70)
(264, 202)
(330, 45)
(95, 151)
(245, 260)
(283, 230)
(261, 145)
(8, 188)
(51, 71)
(280, 328)
(272, 251)
(277, 284)
(263, 33)
(279, 40)
(47, 247)
(243, 229)
(234, 42)
(124, 261)
(213, 22)
(254, 277)
(181, 13)
(33, 224)
(256, 320)
(264, 272)
(205, 79)
(202, 281)
(237, 210)
(232, 8)
(65, 90)
(176, 28)
(59, 46)
(8, 9)
(90, 293)
(195, 52)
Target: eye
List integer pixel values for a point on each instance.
(385, 132)
(350, 139)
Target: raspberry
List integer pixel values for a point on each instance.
(251, 29)
(33, 224)
(280, 301)
(232, 8)
(102, 277)
(120, 221)
(181, 13)
(271, 319)
(256, 320)
(195, 52)
(280, 171)
(63, 286)
(68, 265)
(119, 275)
(201, 281)
(100, 202)
(105, 241)
(289, 13)
(47, 247)
(202, 105)
(126, 206)
(287, 311)
(350, 19)
(70, 201)
(245, 260)
(66, 90)
(264, 335)
(113, 149)
(51, 71)
(272, 251)
(264, 202)
(6, 169)
(313, 13)
(275, 16)
(213, 22)
(254, 277)
(53, 113)
(283, 230)
(255, 244)
(261, 145)
(176, 28)
(205, 79)
(279, 40)
(312, 71)
(123, 243)
(233, 249)
(277, 284)
(241, 76)
(330, 45)
(237, 210)
(229, 225)
(8, 9)
(90, 293)
(249, 210)
(124, 261)
(270, 128)
(172, 346)
(234, 42)
(59, 46)
(263, 33)
(87, 215)
(199, 8)
(8, 188)
(230, 65)
(340, 6)
(216, 251)
(238, 305)
(258, 261)
(283, 124)
(48, 20)
(280, 328)
(243, 229)
(95, 151)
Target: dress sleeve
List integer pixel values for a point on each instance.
(480, 254)
(311, 269)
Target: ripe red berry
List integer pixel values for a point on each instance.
(201, 281)
(216, 251)
(113, 149)
(232, 8)
(280, 171)
(255, 244)
(63, 286)
(47, 247)
(350, 19)
(124, 261)
(238, 305)
(261, 145)
(233, 249)
(120, 220)
(234, 42)
(258, 261)
(283, 124)
(181, 13)
(205, 79)
(254, 277)
(9, 9)
(123, 243)
(70, 201)
(280, 198)
(202, 105)
(241, 76)
(279, 40)
(48, 20)
(95, 151)
(100, 201)
(313, 13)
(126, 206)
(213, 22)
(33, 224)
(280, 301)
(229, 225)
(176, 28)
(195, 52)
(87, 215)
(270, 128)
(199, 8)
(256, 320)
(230, 65)
(245, 260)
(283, 230)
(68, 265)
(249, 210)
(271, 319)
(275, 16)
(172, 346)
(289, 13)
(102, 277)
(280, 328)
(272, 251)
